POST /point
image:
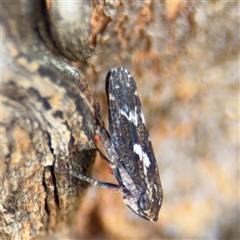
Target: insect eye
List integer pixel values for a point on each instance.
(143, 202)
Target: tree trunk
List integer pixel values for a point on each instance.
(48, 118)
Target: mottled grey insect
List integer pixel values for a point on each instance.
(129, 148)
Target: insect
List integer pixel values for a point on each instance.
(129, 148)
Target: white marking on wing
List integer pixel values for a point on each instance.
(142, 155)
(111, 97)
(142, 117)
(133, 117)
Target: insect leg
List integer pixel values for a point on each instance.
(104, 138)
(113, 157)
(111, 186)
(97, 139)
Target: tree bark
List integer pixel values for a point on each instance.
(47, 120)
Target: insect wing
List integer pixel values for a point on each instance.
(131, 141)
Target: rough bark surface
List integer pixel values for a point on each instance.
(47, 120)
